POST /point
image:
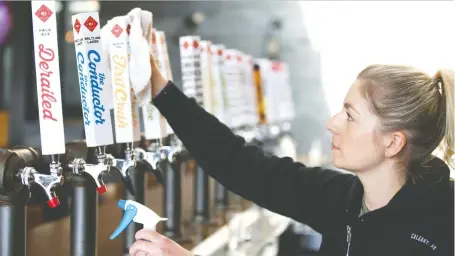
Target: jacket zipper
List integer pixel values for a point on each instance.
(348, 236)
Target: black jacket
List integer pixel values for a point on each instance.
(418, 221)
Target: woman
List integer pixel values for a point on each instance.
(400, 200)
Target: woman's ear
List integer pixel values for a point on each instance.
(394, 143)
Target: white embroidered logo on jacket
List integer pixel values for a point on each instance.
(423, 240)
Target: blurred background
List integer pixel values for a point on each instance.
(325, 44)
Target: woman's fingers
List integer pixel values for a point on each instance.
(150, 235)
(143, 248)
(153, 242)
(158, 80)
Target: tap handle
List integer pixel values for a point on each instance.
(153, 159)
(101, 189)
(128, 183)
(95, 171)
(53, 202)
(158, 175)
(47, 182)
(123, 166)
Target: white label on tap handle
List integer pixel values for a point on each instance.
(154, 123)
(136, 119)
(191, 68)
(287, 102)
(206, 73)
(48, 77)
(277, 91)
(162, 48)
(163, 54)
(121, 86)
(235, 99)
(218, 83)
(134, 103)
(95, 94)
(249, 89)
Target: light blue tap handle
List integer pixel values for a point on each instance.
(130, 213)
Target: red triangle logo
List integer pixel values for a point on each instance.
(43, 13)
(117, 30)
(91, 23)
(77, 26)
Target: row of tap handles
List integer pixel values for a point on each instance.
(154, 154)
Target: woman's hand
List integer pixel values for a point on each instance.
(158, 80)
(156, 245)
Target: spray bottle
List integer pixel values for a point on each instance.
(138, 213)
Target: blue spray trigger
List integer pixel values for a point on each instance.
(130, 213)
(121, 204)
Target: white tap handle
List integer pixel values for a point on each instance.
(124, 111)
(95, 90)
(48, 77)
(154, 123)
(191, 67)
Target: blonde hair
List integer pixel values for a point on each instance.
(406, 99)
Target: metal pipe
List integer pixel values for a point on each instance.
(172, 201)
(221, 196)
(137, 176)
(13, 223)
(84, 199)
(84, 216)
(13, 204)
(201, 196)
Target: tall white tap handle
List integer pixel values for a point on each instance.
(122, 92)
(48, 77)
(154, 123)
(191, 67)
(95, 90)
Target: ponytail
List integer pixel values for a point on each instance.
(445, 79)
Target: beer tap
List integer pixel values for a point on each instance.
(106, 163)
(124, 165)
(96, 171)
(154, 155)
(29, 176)
(172, 200)
(176, 149)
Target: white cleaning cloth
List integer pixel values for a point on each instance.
(140, 68)
(139, 61)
